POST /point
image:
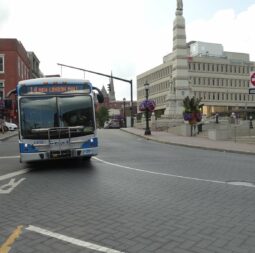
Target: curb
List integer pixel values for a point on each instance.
(5, 137)
(189, 145)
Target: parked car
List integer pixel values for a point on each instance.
(8, 126)
(113, 123)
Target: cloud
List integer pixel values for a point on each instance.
(125, 37)
(4, 13)
(233, 30)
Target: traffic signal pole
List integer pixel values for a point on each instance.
(110, 76)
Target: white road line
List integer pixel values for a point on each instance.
(8, 188)
(169, 175)
(9, 157)
(71, 240)
(13, 174)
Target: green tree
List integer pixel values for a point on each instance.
(102, 115)
(192, 104)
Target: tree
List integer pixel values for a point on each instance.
(102, 115)
(192, 105)
(192, 109)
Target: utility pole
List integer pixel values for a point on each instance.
(109, 76)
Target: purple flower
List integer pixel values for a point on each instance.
(187, 116)
(147, 104)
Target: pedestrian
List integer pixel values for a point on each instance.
(2, 125)
(217, 118)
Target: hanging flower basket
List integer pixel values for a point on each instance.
(147, 104)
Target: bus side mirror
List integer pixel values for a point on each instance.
(13, 91)
(100, 96)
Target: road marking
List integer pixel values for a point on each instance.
(71, 240)
(13, 174)
(9, 157)
(5, 248)
(7, 188)
(170, 175)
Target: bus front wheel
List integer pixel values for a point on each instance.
(86, 158)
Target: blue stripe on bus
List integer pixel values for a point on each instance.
(27, 148)
(92, 143)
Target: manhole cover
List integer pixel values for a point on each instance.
(241, 183)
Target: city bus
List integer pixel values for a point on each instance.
(57, 119)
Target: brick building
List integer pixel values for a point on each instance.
(15, 64)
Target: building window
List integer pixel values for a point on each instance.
(1, 63)
(1, 90)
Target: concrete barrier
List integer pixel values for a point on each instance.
(219, 134)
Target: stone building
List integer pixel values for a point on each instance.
(198, 69)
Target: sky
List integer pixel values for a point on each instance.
(122, 37)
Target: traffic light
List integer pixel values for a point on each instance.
(109, 87)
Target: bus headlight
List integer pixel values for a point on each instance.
(27, 148)
(91, 143)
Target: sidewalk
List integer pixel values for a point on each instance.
(194, 141)
(7, 135)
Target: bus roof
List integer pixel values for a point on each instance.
(52, 80)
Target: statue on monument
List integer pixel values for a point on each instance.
(179, 5)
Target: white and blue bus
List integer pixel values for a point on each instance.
(57, 119)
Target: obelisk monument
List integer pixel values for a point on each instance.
(179, 78)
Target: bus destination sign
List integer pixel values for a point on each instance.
(54, 89)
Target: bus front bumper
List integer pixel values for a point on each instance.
(58, 154)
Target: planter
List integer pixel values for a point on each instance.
(192, 117)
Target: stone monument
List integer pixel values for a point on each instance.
(179, 78)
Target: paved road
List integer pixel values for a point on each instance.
(136, 196)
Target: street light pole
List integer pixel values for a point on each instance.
(147, 129)
(124, 112)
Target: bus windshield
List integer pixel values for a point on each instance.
(73, 114)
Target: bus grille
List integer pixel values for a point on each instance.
(60, 154)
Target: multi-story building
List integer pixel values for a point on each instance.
(220, 78)
(34, 66)
(15, 64)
